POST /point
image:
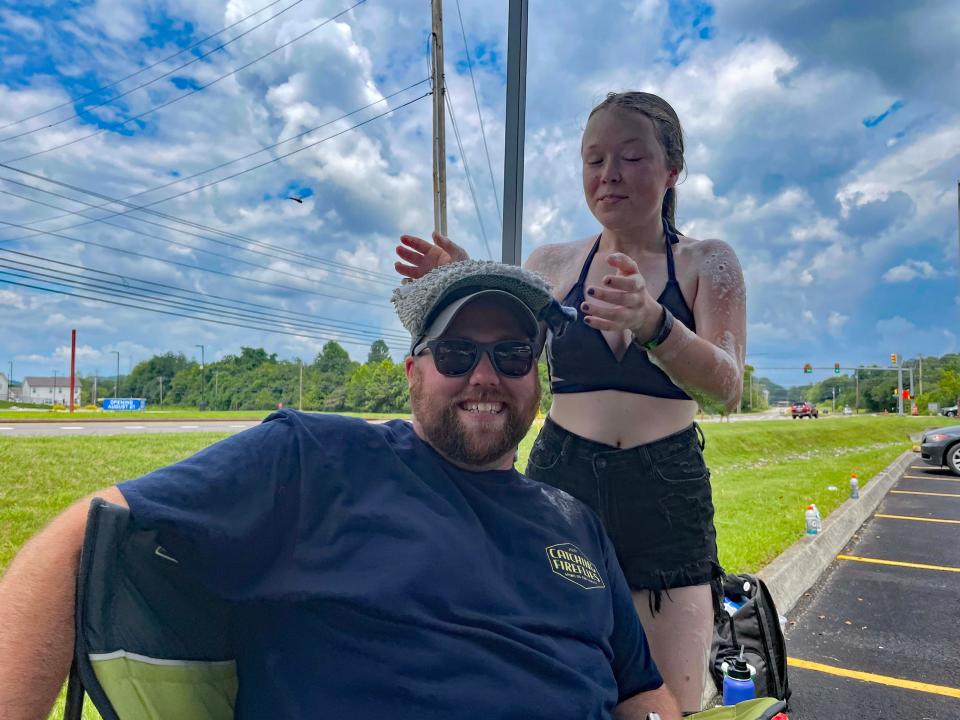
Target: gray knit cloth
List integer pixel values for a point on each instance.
(415, 301)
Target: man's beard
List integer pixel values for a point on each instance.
(440, 423)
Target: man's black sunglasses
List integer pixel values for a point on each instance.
(455, 357)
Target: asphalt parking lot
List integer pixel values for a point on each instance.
(879, 635)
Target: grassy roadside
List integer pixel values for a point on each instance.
(763, 474)
(175, 413)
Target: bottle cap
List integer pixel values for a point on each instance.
(739, 670)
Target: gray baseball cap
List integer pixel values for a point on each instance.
(427, 306)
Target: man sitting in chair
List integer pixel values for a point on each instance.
(401, 570)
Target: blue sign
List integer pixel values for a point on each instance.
(124, 404)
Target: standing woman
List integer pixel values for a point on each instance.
(661, 324)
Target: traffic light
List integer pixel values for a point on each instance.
(893, 358)
(836, 368)
(808, 368)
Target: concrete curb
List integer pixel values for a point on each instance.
(795, 570)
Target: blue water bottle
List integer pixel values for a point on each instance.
(738, 682)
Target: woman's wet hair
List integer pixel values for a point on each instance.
(669, 133)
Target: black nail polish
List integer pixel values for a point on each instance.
(586, 308)
(591, 291)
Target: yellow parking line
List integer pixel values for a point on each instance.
(931, 477)
(898, 563)
(917, 492)
(874, 678)
(919, 519)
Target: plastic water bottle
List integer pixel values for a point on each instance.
(812, 517)
(738, 682)
(854, 486)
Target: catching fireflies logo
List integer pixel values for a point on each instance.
(567, 561)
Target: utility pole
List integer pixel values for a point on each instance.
(833, 403)
(300, 407)
(10, 383)
(439, 123)
(116, 388)
(161, 392)
(921, 374)
(856, 405)
(73, 364)
(899, 385)
(216, 387)
(202, 363)
(96, 372)
(54, 387)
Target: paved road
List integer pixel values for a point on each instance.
(898, 622)
(125, 427)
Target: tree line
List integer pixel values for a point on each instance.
(874, 389)
(257, 380)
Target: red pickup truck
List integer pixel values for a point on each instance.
(804, 409)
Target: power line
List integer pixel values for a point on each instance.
(146, 206)
(272, 248)
(149, 82)
(466, 171)
(134, 253)
(180, 315)
(483, 132)
(161, 298)
(134, 231)
(126, 279)
(195, 91)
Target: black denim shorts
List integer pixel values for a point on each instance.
(654, 501)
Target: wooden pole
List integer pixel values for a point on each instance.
(73, 364)
(439, 124)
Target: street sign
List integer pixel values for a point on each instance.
(124, 404)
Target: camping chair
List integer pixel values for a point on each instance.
(150, 642)
(153, 644)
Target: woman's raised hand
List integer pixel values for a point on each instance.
(424, 257)
(622, 302)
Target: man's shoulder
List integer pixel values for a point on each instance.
(329, 422)
(572, 511)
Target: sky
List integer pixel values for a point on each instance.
(822, 143)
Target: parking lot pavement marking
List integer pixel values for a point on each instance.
(71, 427)
(917, 492)
(898, 563)
(874, 678)
(931, 477)
(919, 519)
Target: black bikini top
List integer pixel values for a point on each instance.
(580, 359)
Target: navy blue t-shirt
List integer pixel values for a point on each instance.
(372, 579)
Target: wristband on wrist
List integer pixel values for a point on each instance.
(663, 332)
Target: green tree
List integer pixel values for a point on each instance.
(378, 352)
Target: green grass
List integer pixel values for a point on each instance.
(763, 473)
(167, 413)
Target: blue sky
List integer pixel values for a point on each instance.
(823, 143)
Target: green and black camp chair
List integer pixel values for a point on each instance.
(152, 644)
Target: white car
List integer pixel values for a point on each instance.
(847, 410)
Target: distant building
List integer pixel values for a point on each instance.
(4, 388)
(49, 391)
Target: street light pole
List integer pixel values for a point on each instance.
(202, 382)
(10, 383)
(54, 387)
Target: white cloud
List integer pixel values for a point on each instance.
(835, 322)
(909, 270)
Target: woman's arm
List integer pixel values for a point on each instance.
(706, 364)
(710, 362)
